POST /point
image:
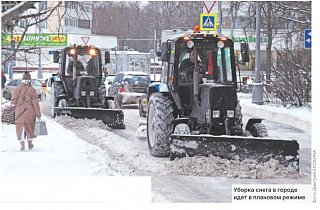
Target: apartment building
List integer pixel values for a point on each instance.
(69, 23)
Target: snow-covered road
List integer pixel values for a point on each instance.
(88, 147)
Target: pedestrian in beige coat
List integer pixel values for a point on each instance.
(27, 110)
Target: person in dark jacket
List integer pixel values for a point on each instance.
(27, 110)
(3, 79)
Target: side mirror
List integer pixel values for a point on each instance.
(244, 47)
(107, 57)
(165, 52)
(56, 57)
(50, 81)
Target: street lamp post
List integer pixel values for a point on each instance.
(154, 54)
(39, 48)
(257, 91)
(220, 17)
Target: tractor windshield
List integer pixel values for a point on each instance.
(86, 63)
(214, 64)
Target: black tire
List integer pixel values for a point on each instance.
(63, 103)
(57, 89)
(141, 112)
(118, 101)
(258, 130)
(238, 117)
(182, 129)
(159, 124)
(102, 93)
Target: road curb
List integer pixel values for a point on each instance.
(284, 118)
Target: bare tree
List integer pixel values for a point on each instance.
(131, 21)
(11, 17)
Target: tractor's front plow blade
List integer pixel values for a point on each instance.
(236, 148)
(110, 117)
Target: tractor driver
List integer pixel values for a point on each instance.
(187, 66)
(79, 67)
(186, 71)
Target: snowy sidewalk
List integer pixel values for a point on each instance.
(298, 117)
(58, 153)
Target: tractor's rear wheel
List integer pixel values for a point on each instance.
(159, 124)
(238, 117)
(258, 130)
(63, 103)
(102, 93)
(57, 90)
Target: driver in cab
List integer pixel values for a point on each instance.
(79, 67)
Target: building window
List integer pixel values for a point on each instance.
(70, 22)
(87, 7)
(43, 5)
(71, 4)
(23, 23)
(84, 23)
(43, 24)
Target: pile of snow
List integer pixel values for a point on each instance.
(126, 157)
(123, 157)
(299, 117)
(215, 166)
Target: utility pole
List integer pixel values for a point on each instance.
(220, 17)
(116, 56)
(13, 44)
(154, 54)
(40, 76)
(257, 91)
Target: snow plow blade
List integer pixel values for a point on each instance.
(112, 118)
(236, 148)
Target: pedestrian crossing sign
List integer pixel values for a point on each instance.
(208, 22)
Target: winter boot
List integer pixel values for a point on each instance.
(30, 145)
(22, 146)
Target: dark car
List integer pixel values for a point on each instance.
(128, 87)
(37, 84)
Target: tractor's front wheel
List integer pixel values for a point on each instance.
(159, 124)
(258, 130)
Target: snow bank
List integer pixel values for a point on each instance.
(127, 157)
(215, 166)
(299, 117)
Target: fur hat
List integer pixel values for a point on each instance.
(26, 76)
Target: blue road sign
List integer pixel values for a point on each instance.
(208, 22)
(307, 38)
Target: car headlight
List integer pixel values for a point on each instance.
(83, 93)
(215, 114)
(230, 113)
(91, 93)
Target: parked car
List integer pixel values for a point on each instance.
(37, 84)
(128, 87)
